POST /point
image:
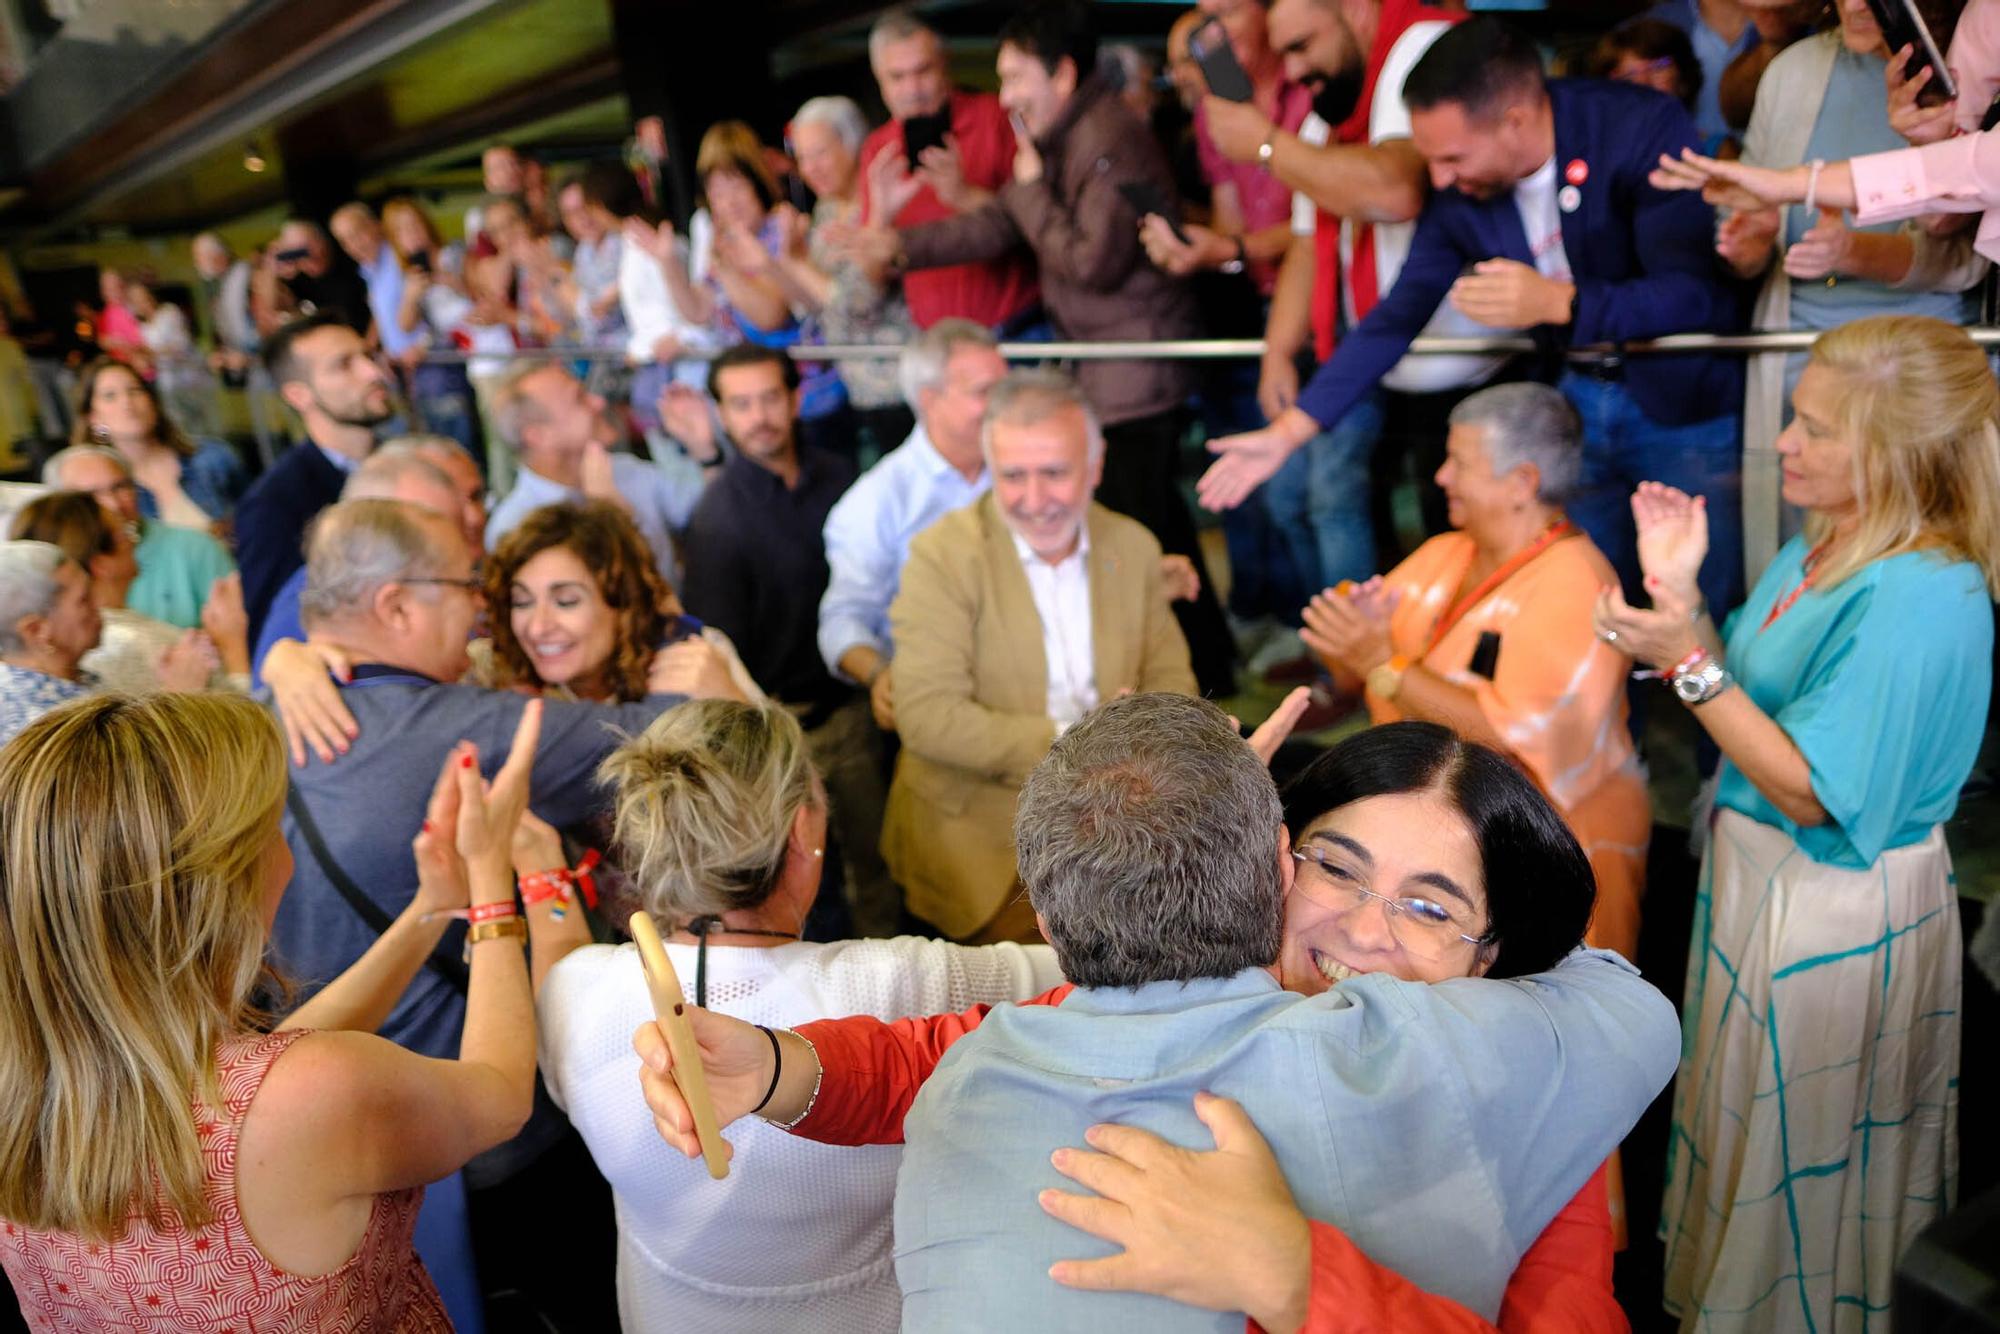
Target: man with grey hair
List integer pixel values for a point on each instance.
(178, 567)
(395, 588)
(1441, 1126)
(563, 440)
(944, 152)
(947, 372)
(1017, 616)
(425, 471)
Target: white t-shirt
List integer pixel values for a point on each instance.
(1389, 118)
(1535, 199)
(798, 1235)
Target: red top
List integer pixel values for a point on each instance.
(988, 293)
(870, 1074)
(1265, 200)
(214, 1278)
(1397, 18)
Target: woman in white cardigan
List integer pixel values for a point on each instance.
(1825, 97)
(723, 823)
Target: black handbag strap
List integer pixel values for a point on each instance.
(370, 912)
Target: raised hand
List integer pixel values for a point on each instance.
(1673, 540)
(489, 812)
(1908, 117)
(1271, 733)
(655, 241)
(1246, 462)
(684, 416)
(891, 187)
(442, 886)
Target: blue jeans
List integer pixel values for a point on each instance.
(1319, 499)
(1263, 580)
(1622, 447)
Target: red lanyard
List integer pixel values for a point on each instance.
(1510, 567)
(1784, 604)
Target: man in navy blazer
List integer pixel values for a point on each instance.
(1542, 219)
(324, 370)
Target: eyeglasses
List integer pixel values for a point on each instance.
(1425, 928)
(472, 583)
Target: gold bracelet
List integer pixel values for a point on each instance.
(512, 927)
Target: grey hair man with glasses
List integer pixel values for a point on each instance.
(177, 566)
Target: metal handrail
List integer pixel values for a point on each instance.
(1229, 349)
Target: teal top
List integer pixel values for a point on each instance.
(176, 567)
(1881, 681)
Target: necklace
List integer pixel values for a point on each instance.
(1548, 537)
(701, 928)
(1814, 560)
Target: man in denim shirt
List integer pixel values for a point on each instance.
(1440, 1126)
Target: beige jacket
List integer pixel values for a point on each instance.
(972, 695)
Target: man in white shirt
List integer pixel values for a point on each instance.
(558, 431)
(1017, 615)
(947, 372)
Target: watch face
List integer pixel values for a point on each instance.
(1688, 688)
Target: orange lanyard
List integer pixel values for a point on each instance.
(1784, 604)
(1510, 567)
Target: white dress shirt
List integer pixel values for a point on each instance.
(650, 315)
(1062, 600)
(868, 536)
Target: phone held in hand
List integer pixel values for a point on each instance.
(1903, 23)
(1147, 197)
(1209, 45)
(922, 132)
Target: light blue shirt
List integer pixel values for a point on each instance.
(26, 695)
(1440, 1126)
(1712, 53)
(595, 271)
(1881, 681)
(868, 536)
(384, 276)
(662, 495)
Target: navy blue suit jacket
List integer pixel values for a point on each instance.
(271, 522)
(1643, 260)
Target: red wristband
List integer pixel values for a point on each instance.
(1687, 664)
(490, 912)
(555, 884)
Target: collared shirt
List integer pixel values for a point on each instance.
(26, 695)
(595, 271)
(663, 496)
(1062, 599)
(757, 568)
(384, 276)
(868, 538)
(1440, 1126)
(176, 568)
(234, 326)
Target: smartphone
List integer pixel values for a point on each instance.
(1903, 24)
(921, 132)
(798, 194)
(1146, 197)
(296, 255)
(1209, 45)
(670, 1008)
(1021, 135)
(420, 260)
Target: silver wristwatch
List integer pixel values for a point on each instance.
(1702, 682)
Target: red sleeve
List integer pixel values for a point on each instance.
(1561, 1286)
(870, 1069)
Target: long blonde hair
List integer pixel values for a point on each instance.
(706, 800)
(1917, 399)
(131, 937)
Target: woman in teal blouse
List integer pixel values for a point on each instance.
(1815, 1110)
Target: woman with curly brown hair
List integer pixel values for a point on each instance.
(588, 616)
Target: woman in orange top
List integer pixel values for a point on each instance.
(1488, 630)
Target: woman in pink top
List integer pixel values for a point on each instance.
(1954, 166)
(165, 1165)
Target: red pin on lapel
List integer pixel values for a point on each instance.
(1577, 172)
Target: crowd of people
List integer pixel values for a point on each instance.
(1031, 991)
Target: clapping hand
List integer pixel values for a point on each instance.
(188, 662)
(655, 241)
(1348, 627)
(684, 416)
(891, 186)
(1672, 531)
(442, 886)
(941, 168)
(1173, 255)
(1827, 248)
(1745, 240)
(489, 812)
(1179, 578)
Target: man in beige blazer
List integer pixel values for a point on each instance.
(1017, 615)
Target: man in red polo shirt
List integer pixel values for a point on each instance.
(977, 159)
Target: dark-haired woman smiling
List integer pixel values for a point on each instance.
(1423, 856)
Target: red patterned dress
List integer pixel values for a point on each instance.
(213, 1278)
